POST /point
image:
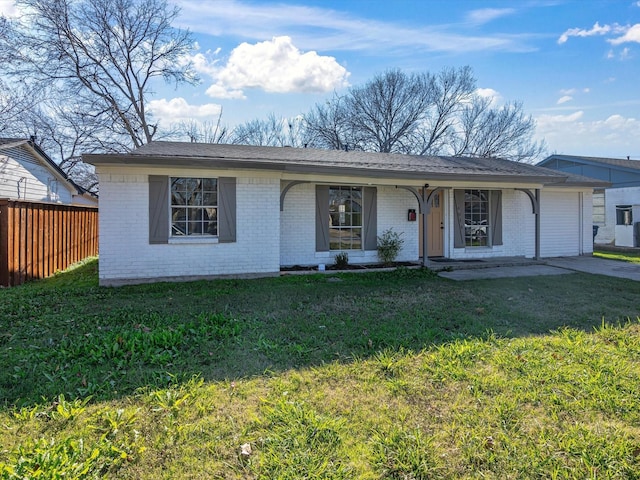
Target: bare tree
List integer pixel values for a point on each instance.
(505, 131)
(15, 102)
(422, 114)
(327, 125)
(106, 53)
(273, 132)
(203, 132)
(385, 114)
(452, 91)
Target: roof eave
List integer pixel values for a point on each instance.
(233, 164)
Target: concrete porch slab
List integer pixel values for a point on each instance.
(503, 272)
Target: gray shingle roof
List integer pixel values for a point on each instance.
(308, 160)
(616, 162)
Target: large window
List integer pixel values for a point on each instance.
(194, 206)
(476, 218)
(345, 218)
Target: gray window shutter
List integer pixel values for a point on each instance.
(158, 209)
(458, 224)
(322, 218)
(370, 218)
(226, 209)
(496, 217)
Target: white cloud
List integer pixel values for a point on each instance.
(579, 136)
(564, 99)
(8, 8)
(632, 34)
(491, 94)
(202, 63)
(485, 15)
(220, 91)
(568, 91)
(277, 66)
(545, 122)
(178, 109)
(579, 32)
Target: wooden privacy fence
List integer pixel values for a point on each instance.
(39, 239)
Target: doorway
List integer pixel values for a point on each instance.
(435, 228)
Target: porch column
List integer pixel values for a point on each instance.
(537, 224)
(535, 205)
(424, 211)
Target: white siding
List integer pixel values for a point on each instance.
(127, 257)
(298, 235)
(23, 177)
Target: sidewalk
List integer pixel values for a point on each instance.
(549, 266)
(598, 266)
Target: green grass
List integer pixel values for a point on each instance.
(399, 375)
(632, 257)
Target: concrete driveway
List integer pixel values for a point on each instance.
(551, 266)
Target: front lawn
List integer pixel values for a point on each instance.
(356, 376)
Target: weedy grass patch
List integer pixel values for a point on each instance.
(362, 376)
(631, 257)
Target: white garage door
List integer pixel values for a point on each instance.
(560, 224)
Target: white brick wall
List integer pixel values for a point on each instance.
(126, 255)
(268, 238)
(298, 235)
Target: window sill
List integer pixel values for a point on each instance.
(193, 240)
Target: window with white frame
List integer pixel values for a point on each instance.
(476, 218)
(194, 206)
(345, 217)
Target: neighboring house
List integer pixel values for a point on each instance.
(616, 209)
(171, 211)
(28, 173)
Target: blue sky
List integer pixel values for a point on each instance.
(574, 64)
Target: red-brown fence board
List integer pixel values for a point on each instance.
(39, 239)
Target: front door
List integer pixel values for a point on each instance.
(435, 228)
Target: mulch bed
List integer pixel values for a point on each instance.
(334, 267)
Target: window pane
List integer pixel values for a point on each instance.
(179, 228)
(209, 184)
(210, 198)
(212, 228)
(476, 217)
(178, 214)
(194, 206)
(345, 222)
